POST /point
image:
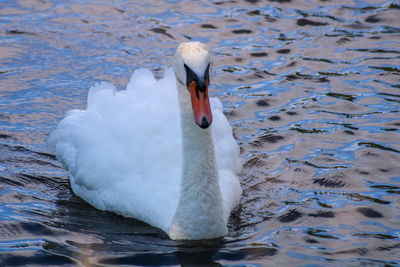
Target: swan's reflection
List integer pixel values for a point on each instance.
(95, 237)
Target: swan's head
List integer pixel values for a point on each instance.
(192, 66)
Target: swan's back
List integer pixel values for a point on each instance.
(125, 150)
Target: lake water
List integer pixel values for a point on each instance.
(311, 89)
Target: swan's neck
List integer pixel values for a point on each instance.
(199, 213)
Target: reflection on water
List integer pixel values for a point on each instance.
(311, 90)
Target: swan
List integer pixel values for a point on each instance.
(160, 151)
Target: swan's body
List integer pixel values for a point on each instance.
(141, 153)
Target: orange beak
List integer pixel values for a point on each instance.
(200, 105)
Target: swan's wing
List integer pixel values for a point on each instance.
(124, 150)
(227, 154)
(226, 148)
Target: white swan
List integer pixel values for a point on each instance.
(147, 152)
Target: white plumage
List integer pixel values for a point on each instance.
(125, 153)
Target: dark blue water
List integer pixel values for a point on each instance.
(311, 88)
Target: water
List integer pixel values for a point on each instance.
(310, 87)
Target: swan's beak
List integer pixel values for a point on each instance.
(200, 103)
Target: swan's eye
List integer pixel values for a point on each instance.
(190, 76)
(207, 74)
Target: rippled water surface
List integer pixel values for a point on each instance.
(311, 88)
